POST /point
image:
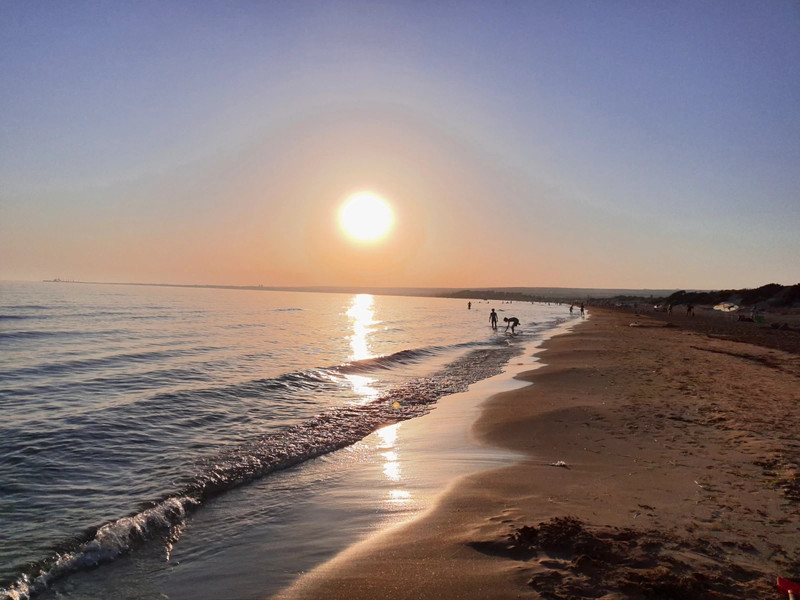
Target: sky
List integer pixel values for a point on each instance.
(537, 143)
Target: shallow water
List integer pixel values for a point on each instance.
(141, 424)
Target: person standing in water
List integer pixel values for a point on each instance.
(512, 322)
(493, 319)
(469, 305)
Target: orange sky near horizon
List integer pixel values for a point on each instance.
(444, 234)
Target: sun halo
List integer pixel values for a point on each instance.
(366, 217)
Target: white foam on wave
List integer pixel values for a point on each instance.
(110, 541)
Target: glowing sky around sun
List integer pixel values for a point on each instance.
(366, 217)
(579, 144)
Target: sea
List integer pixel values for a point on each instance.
(186, 442)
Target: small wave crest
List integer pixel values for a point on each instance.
(386, 362)
(89, 365)
(28, 307)
(41, 333)
(103, 546)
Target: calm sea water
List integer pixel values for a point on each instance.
(128, 411)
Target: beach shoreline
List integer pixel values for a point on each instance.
(659, 462)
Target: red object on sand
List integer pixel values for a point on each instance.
(788, 587)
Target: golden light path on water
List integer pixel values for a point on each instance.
(396, 498)
(362, 318)
(388, 437)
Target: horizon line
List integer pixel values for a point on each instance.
(387, 290)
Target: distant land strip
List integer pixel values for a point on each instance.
(772, 294)
(522, 294)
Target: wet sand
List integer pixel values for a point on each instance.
(661, 463)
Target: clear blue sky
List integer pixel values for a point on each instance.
(602, 144)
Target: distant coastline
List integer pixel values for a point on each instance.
(772, 294)
(522, 294)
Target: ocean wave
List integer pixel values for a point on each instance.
(92, 364)
(403, 357)
(100, 313)
(28, 307)
(102, 545)
(42, 333)
(326, 432)
(386, 362)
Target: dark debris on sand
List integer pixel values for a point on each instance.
(779, 336)
(572, 560)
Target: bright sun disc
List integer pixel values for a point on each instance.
(366, 217)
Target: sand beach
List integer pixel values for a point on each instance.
(659, 462)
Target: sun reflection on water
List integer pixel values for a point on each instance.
(396, 499)
(363, 387)
(362, 319)
(399, 499)
(388, 435)
(392, 470)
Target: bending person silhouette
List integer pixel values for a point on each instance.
(512, 322)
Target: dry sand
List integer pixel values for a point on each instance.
(679, 479)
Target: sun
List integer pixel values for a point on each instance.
(366, 217)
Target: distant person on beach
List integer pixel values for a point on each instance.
(512, 322)
(493, 319)
(570, 308)
(469, 305)
(581, 308)
(690, 310)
